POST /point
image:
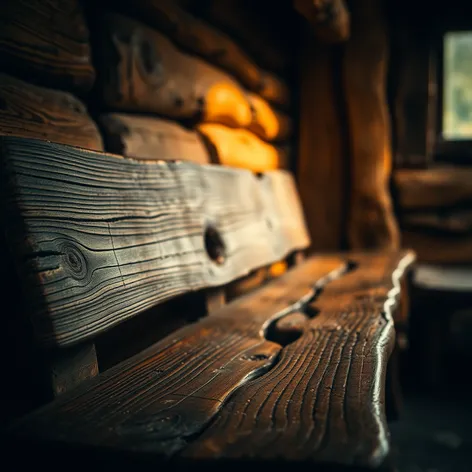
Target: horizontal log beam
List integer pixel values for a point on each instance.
(454, 221)
(436, 249)
(433, 188)
(258, 30)
(36, 112)
(198, 36)
(101, 238)
(46, 42)
(241, 148)
(268, 123)
(142, 71)
(144, 137)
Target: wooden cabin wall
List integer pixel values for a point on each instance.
(431, 183)
(148, 79)
(345, 155)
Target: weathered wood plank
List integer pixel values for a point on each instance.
(321, 164)
(143, 71)
(143, 137)
(155, 400)
(372, 223)
(458, 222)
(36, 112)
(94, 230)
(328, 18)
(438, 249)
(324, 399)
(241, 148)
(46, 42)
(433, 188)
(198, 36)
(188, 394)
(268, 123)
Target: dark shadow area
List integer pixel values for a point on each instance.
(433, 433)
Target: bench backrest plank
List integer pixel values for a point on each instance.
(103, 238)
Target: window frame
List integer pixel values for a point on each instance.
(449, 150)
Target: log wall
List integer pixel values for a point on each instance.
(151, 80)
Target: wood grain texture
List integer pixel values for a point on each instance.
(437, 248)
(433, 188)
(101, 239)
(198, 36)
(328, 18)
(268, 123)
(323, 401)
(224, 388)
(46, 42)
(241, 148)
(156, 400)
(322, 170)
(143, 137)
(36, 112)
(371, 222)
(458, 222)
(141, 70)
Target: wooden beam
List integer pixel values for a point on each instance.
(70, 367)
(232, 387)
(328, 18)
(241, 148)
(99, 238)
(250, 24)
(371, 223)
(46, 42)
(198, 36)
(458, 222)
(324, 400)
(433, 188)
(215, 299)
(268, 123)
(144, 137)
(213, 357)
(143, 71)
(321, 163)
(439, 249)
(35, 112)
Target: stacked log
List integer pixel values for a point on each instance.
(147, 80)
(46, 56)
(435, 213)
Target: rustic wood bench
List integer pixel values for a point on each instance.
(294, 370)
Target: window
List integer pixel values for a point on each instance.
(457, 86)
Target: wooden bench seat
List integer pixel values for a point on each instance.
(294, 370)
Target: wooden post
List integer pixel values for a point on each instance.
(321, 171)
(70, 367)
(215, 299)
(371, 223)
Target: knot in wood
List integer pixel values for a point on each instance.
(74, 261)
(214, 245)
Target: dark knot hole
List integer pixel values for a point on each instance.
(214, 245)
